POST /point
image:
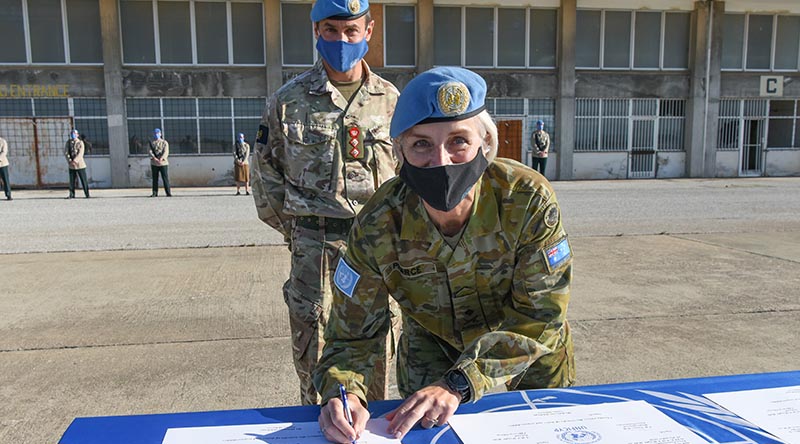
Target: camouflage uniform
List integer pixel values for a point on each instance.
(305, 171)
(540, 148)
(494, 307)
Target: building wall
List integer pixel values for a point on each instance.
(700, 87)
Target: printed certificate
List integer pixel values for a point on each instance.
(776, 410)
(635, 422)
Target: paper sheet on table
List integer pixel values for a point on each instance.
(776, 410)
(276, 433)
(616, 423)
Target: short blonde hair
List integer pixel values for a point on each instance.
(490, 139)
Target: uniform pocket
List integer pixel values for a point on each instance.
(309, 154)
(378, 141)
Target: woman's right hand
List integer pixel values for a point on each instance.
(333, 422)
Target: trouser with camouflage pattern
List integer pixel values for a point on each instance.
(308, 295)
(423, 359)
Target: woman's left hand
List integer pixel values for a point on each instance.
(430, 406)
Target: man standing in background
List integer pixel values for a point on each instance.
(540, 147)
(241, 164)
(159, 162)
(322, 150)
(74, 151)
(4, 168)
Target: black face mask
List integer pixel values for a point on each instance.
(443, 187)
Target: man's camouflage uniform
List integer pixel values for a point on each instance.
(494, 307)
(317, 160)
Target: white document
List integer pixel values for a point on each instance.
(277, 433)
(776, 410)
(635, 422)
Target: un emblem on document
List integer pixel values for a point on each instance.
(579, 437)
(453, 98)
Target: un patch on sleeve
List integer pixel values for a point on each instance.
(263, 134)
(345, 278)
(557, 255)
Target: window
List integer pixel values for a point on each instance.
(192, 32)
(543, 37)
(91, 122)
(747, 42)
(248, 34)
(447, 36)
(479, 41)
(12, 32)
(298, 46)
(193, 125)
(494, 37)
(625, 124)
(138, 34)
(632, 40)
(400, 36)
(174, 32)
(83, 20)
(38, 31)
(510, 32)
(759, 41)
(212, 32)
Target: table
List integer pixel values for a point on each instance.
(680, 399)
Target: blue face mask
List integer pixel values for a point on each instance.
(73, 136)
(340, 55)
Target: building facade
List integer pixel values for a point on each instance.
(626, 88)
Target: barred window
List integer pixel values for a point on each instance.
(629, 124)
(193, 125)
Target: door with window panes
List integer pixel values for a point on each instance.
(642, 162)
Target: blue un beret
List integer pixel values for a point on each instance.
(439, 95)
(339, 9)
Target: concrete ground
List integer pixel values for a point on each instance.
(122, 304)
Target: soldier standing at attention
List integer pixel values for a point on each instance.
(540, 147)
(77, 166)
(159, 162)
(473, 250)
(241, 164)
(4, 168)
(322, 150)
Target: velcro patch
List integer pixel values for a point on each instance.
(345, 278)
(263, 134)
(558, 254)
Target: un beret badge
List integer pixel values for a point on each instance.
(551, 215)
(354, 6)
(453, 98)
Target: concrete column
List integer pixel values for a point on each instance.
(272, 28)
(424, 35)
(115, 100)
(565, 105)
(703, 106)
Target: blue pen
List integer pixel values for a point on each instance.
(346, 406)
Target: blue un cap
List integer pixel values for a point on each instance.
(439, 95)
(339, 9)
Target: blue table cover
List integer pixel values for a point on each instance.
(681, 399)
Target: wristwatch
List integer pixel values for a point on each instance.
(458, 382)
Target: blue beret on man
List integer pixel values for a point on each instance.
(339, 9)
(438, 95)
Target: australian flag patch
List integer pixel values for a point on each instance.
(558, 254)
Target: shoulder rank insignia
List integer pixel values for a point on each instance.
(345, 278)
(551, 215)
